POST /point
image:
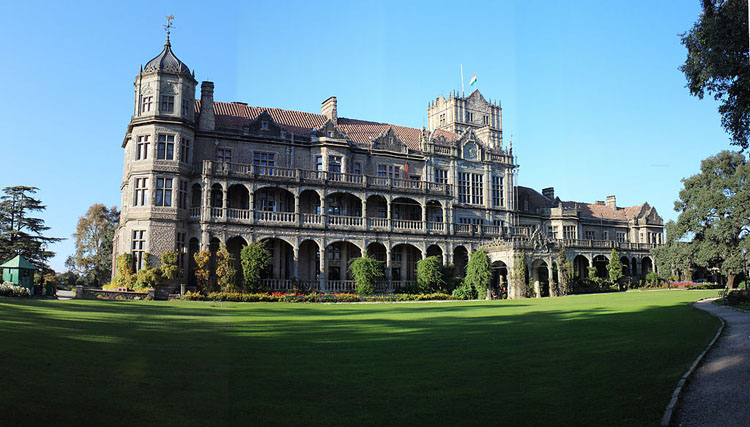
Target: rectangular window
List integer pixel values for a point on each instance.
(264, 163)
(319, 163)
(389, 171)
(441, 176)
(357, 168)
(442, 119)
(334, 168)
(163, 192)
(181, 252)
(463, 187)
(141, 188)
(146, 104)
(621, 237)
(182, 198)
(589, 235)
(141, 147)
(552, 232)
(267, 201)
(223, 155)
(185, 150)
(569, 232)
(167, 103)
(497, 191)
(605, 235)
(477, 189)
(138, 248)
(165, 147)
(185, 106)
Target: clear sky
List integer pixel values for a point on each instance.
(591, 92)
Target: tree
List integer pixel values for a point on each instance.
(93, 241)
(717, 63)
(20, 232)
(478, 273)
(254, 259)
(202, 272)
(366, 272)
(226, 273)
(714, 210)
(429, 274)
(676, 255)
(614, 268)
(518, 278)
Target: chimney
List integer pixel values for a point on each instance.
(549, 192)
(207, 120)
(600, 202)
(612, 203)
(328, 109)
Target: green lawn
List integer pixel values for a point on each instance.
(582, 360)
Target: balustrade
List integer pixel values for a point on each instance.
(195, 213)
(405, 224)
(435, 226)
(268, 216)
(238, 214)
(378, 222)
(308, 218)
(348, 221)
(217, 212)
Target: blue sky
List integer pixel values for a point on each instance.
(591, 92)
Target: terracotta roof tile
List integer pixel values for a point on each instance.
(233, 116)
(593, 210)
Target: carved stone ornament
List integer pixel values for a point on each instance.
(540, 241)
(168, 88)
(470, 151)
(147, 89)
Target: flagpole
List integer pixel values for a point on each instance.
(462, 79)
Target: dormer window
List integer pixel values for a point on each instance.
(330, 134)
(167, 103)
(264, 124)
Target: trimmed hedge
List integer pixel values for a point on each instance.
(313, 297)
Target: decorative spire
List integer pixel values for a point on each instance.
(167, 27)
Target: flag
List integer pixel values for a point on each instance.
(473, 79)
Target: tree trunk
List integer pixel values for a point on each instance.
(730, 281)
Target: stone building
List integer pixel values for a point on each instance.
(322, 189)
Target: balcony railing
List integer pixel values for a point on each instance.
(405, 224)
(275, 173)
(346, 221)
(267, 216)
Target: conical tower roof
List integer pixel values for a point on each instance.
(167, 62)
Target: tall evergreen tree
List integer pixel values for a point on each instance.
(20, 232)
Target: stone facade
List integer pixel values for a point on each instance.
(323, 189)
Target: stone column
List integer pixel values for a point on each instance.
(322, 267)
(225, 200)
(296, 262)
(551, 277)
(424, 216)
(365, 225)
(252, 204)
(297, 215)
(324, 210)
(388, 215)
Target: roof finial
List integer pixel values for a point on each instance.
(168, 26)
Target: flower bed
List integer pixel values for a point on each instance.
(312, 297)
(8, 289)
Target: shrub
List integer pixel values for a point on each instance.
(652, 279)
(8, 289)
(169, 267)
(366, 272)
(429, 274)
(124, 276)
(202, 273)
(478, 273)
(254, 259)
(225, 270)
(148, 278)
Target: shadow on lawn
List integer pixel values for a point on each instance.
(306, 364)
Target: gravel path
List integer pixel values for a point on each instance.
(719, 390)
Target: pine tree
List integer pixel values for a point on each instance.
(20, 232)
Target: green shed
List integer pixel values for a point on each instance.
(19, 272)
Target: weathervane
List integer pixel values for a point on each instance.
(169, 25)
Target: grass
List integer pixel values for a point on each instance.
(582, 360)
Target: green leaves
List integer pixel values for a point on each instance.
(254, 259)
(429, 274)
(717, 63)
(366, 272)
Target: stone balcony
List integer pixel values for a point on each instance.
(342, 222)
(322, 178)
